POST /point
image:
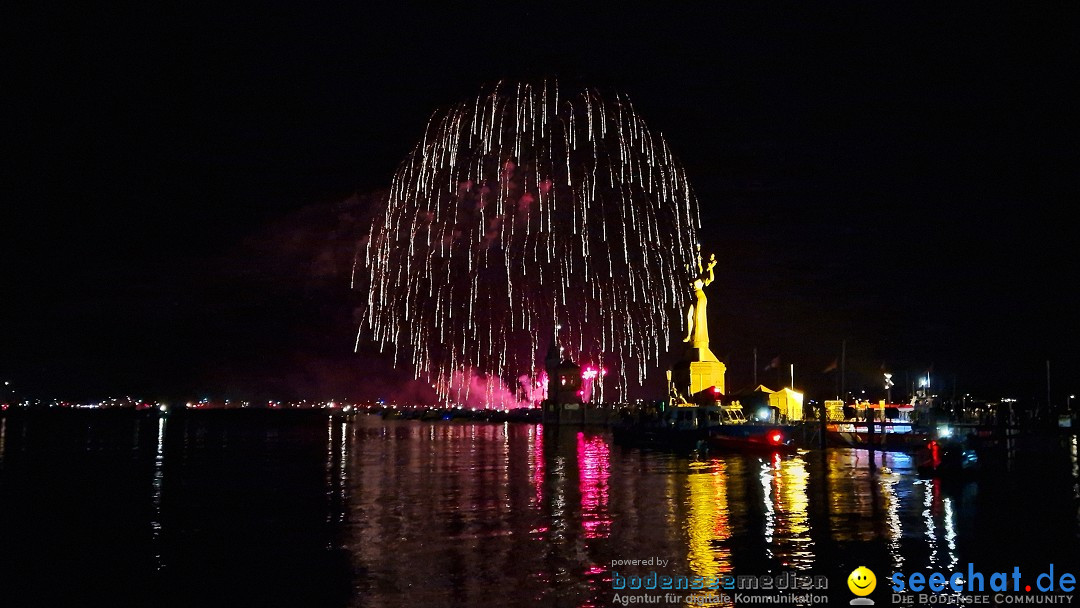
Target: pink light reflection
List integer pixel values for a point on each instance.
(538, 464)
(594, 469)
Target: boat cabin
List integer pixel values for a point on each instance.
(693, 416)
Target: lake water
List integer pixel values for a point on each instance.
(299, 509)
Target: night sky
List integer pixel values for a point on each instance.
(184, 184)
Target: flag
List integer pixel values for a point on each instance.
(774, 364)
(835, 365)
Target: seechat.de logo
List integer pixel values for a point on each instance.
(862, 582)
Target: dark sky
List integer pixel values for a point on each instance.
(898, 177)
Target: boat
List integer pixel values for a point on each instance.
(663, 428)
(947, 457)
(881, 426)
(703, 427)
(750, 436)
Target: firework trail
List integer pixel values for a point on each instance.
(520, 210)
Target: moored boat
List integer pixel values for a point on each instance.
(947, 457)
(880, 426)
(749, 436)
(704, 427)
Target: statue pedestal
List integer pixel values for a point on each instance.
(704, 374)
(697, 371)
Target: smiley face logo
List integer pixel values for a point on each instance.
(861, 581)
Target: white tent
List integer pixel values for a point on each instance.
(790, 402)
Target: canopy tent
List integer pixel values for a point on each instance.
(790, 402)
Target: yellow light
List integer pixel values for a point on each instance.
(707, 522)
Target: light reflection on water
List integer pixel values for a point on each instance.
(158, 484)
(446, 513)
(594, 461)
(707, 527)
(584, 502)
(795, 547)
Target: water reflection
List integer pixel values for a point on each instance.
(853, 492)
(707, 525)
(337, 470)
(156, 496)
(879, 498)
(950, 532)
(451, 506)
(767, 504)
(892, 494)
(929, 525)
(536, 461)
(367, 512)
(594, 466)
(793, 544)
(939, 525)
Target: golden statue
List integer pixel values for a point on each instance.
(698, 331)
(699, 369)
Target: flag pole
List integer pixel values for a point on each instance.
(843, 371)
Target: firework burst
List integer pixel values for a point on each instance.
(522, 210)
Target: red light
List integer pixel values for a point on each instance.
(776, 437)
(716, 390)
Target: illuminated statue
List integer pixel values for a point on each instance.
(699, 370)
(698, 331)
